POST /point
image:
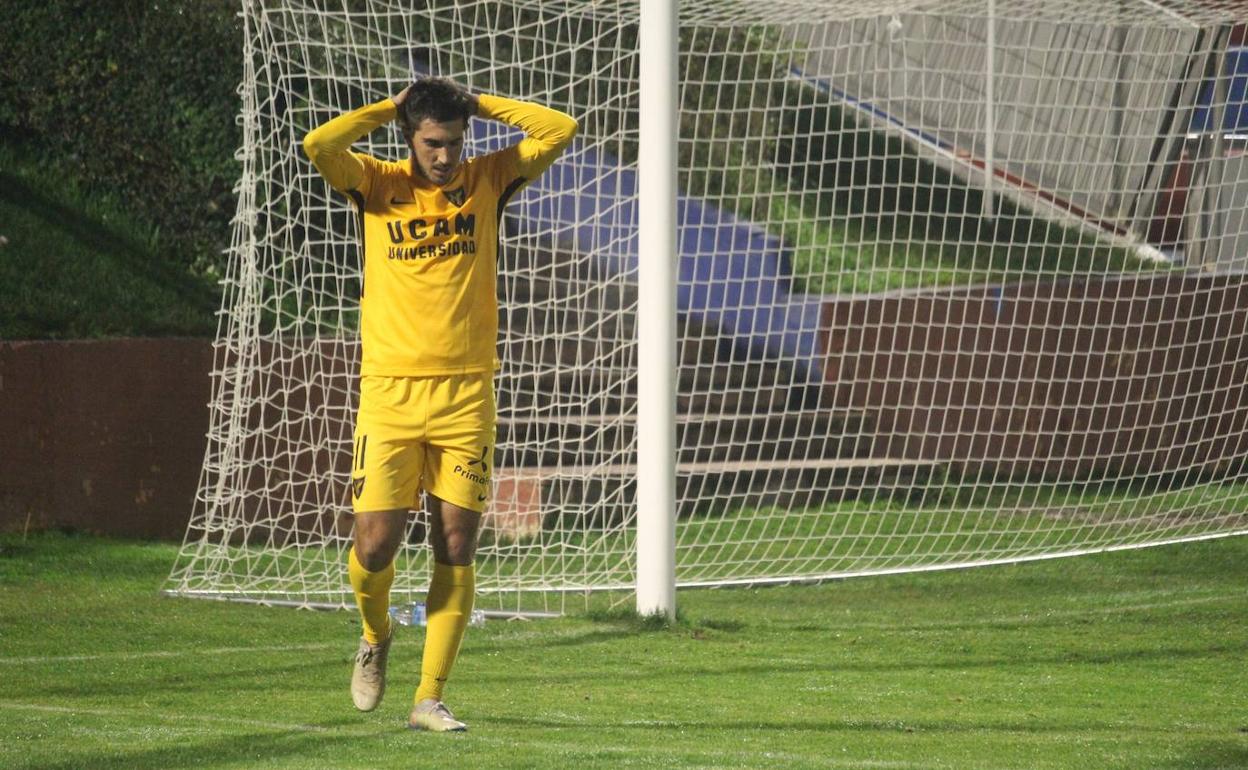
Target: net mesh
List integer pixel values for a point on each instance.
(960, 283)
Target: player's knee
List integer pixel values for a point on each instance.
(377, 539)
(460, 544)
(372, 556)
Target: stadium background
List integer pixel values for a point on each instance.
(116, 173)
(105, 391)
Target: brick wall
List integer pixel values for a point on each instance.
(103, 436)
(1069, 379)
(1072, 379)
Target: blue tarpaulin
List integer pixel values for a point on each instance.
(1235, 112)
(733, 273)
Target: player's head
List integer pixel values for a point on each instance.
(434, 118)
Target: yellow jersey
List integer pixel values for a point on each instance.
(428, 303)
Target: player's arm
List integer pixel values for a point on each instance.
(547, 131)
(329, 146)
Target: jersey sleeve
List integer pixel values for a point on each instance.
(502, 169)
(547, 132)
(329, 148)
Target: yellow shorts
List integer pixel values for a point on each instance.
(430, 433)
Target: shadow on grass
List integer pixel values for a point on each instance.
(597, 636)
(95, 235)
(609, 626)
(258, 676)
(1228, 754)
(97, 247)
(636, 622)
(240, 750)
(1167, 654)
(837, 723)
(630, 619)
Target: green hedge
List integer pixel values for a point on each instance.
(136, 100)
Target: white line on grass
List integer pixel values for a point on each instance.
(169, 653)
(542, 635)
(549, 635)
(157, 714)
(735, 757)
(509, 741)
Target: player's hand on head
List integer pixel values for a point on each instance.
(400, 98)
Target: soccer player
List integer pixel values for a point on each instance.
(428, 328)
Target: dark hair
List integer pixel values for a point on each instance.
(437, 99)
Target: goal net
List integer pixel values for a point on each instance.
(959, 283)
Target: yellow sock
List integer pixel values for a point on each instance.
(372, 596)
(451, 593)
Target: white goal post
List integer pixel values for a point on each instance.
(947, 284)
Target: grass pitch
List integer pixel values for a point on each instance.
(1126, 660)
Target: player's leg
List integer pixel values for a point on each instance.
(453, 533)
(370, 567)
(452, 591)
(387, 463)
(459, 461)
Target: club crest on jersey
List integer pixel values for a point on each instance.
(456, 196)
